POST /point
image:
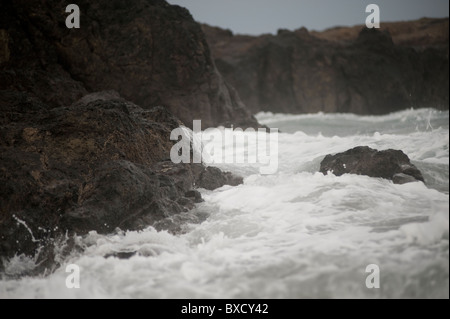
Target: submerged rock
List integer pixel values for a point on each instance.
(390, 164)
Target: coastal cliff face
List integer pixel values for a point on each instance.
(150, 52)
(353, 70)
(420, 34)
(84, 142)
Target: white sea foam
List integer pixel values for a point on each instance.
(294, 234)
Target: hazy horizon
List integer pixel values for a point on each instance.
(256, 17)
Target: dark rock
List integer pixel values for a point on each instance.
(148, 51)
(369, 73)
(99, 164)
(233, 180)
(390, 164)
(122, 255)
(53, 162)
(123, 195)
(403, 179)
(72, 162)
(209, 178)
(419, 34)
(212, 178)
(195, 196)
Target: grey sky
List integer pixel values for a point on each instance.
(267, 16)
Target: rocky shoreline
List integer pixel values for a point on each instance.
(86, 114)
(100, 164)
(86, 120)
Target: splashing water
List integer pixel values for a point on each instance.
(295, 234)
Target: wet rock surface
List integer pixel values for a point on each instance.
(148, 51)
(390, 164)
(84, 140)
(99, 164)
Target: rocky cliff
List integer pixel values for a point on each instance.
(420, 34)
(84, 143)
(353, 70)
(148, 51)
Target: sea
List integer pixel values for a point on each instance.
(289, 235)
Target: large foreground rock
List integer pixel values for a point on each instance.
(77, 152)
(366, 72)
(390, 164)
(99, 164)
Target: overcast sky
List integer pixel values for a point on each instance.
(267, 16)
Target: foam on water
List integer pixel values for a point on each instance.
(294, 234)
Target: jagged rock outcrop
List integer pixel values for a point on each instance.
(148, 51)
(84, 145)
(100, 164)
(390, 164)
(369, 73)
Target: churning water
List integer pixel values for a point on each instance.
(295, 234)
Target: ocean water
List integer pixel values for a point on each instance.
(294, 234)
